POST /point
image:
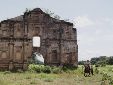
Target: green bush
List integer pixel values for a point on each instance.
(48, 79)
(36, 68)
(20, 71)
(39, 68)
(65, 68)
(47, 69)
(31, 68)
(56, 70)
(7, 72)
(103, 65)
(96, 70)
(100, 63)
(97, 65)
(106, 78)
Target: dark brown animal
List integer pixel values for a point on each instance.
(86, 70)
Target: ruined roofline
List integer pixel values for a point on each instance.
(18, 18)
(42, 12)
(69, 23)
(15, 19)
(8, 21)
(74, 29)
(38, 10)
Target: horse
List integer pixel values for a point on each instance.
(87, 70)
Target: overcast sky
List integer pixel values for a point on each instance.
(92, 18)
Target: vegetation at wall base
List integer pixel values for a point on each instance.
(44, 69)
(50, 69)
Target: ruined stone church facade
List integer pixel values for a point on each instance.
(58, 40)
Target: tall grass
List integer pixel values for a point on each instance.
(58, 76)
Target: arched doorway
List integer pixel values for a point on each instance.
(36, 55)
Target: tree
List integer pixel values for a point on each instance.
(100, 61)
(94, 60)
(110, 60)
(81, 62)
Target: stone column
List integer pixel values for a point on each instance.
(11, 51)
(25, 66)
(11, 66)
(27, 55)
(11, 55)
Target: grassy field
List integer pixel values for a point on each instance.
(74, 77)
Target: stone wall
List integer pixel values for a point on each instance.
(58, 40)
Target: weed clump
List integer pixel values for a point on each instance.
(33, 82)
(36, 68)
(7, 72)
(56, 70)
(48, 80)
(106, 79)
(96, 70)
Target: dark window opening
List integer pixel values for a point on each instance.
(54, 55)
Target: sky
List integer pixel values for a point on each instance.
(92, 18)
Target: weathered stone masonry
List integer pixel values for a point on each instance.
(58, 40)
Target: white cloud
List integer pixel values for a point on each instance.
(83, 21)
